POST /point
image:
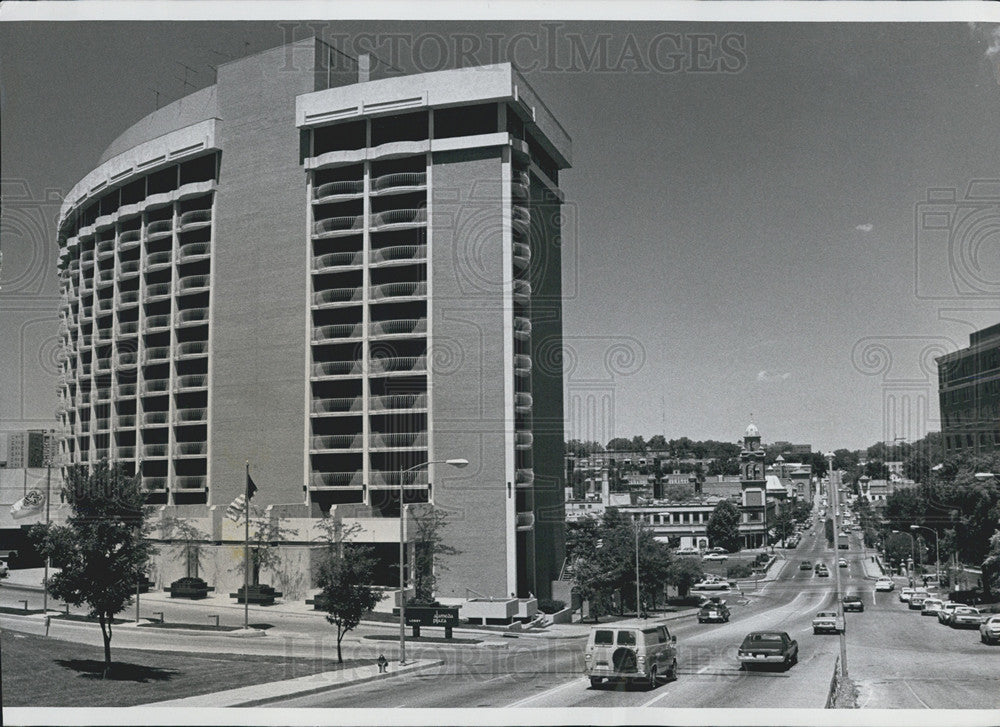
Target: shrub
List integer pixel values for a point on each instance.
(550, 605)
(761, 558)
(739, 570)
(685, 600)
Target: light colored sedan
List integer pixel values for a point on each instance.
(715, 556)
(966, 617)
(989, 630)
(904, 594)
(947, 609)
(884, 584)
(931, 607)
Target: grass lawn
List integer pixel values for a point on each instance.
(41, 672)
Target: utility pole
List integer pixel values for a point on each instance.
(638, 609)
(834, 489)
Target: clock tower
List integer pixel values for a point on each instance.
(753, 486)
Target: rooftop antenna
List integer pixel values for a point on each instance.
(186, 69)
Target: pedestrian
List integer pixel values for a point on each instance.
(383, 664)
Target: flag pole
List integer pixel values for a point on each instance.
(246, 551)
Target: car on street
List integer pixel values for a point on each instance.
(904, 594)
(827, 622)
(842, 563)
(917, 599)
(715, 556)
(822, 571)
(947, 609)
(966, 617)
(989, 630)
(931, 606)
(768, 647)
(4, 569)
(687, 550)
(717, 550)
(884, 584)
(712, 583)
(805, 565)
(853, 602)
(713, 611)
(630, 651)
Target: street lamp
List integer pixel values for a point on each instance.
(937, 552)
(459, 463)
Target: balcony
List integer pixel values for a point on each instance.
(154, 451)
(523, 403)
(127, 359)
(522, 365)
(337, 296)
(333, 260)
(129, 239)
(337, 442)
(332, 480)
(338, 405)
(522, 328)
(194, 219)
(398, 327)
(193, 284)
(159, 229)
(158, 260)
(191, 416)
(126, 421)
(192, 317)
(399, 182)
(336, 368)
(338, 190)
(102, 424)
(127, 328)
(397, 364)
(333, 226)
(523, 440)
(155, 418)
(398, 290)
(410, 440)
(520, 219)
(104, 364)
(84, 398)
(522, 255)
(155, 386)
(128, 269)
(191, 382)
(106, 250)
(193, 251)
(392, 219)
(325, 334)
(524, 476)
(386, 478)
(125, 452)
(155, 484)
(520, 191)
(190, 483)
(87, 259)
(525, 521)
(190, 449)
(191, 349)
(399, 254)
(398, 402)
(106, 277)
(157, 323)
(87, 312)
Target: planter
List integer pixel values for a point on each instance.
(260, 594)
(193, 588)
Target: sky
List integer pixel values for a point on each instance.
(747, 230)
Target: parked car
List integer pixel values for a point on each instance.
(917, 599)
(904, 594)
(989, 630)
(715, 556)
(823, 572)
(944, 613)
(717, 550)
(931, 606)
(884, 584)
(853, 602)
(714, 610)
(805, 565)
(712, 584)
(966, 617)
(820, 565)
(842, 563)
(4, 569)
(632, 650)
(768, 647)
(686, 550)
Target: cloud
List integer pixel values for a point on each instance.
(772, 377)
(994, 47)
(866, 227)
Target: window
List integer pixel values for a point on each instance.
(403, 127)
(339, 137)
(465, 121)
(603, 638)
(626, 638)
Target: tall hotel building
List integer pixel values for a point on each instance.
(969, 395)
(334, 278)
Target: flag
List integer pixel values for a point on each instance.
(237, 508)
(251, 487)
(30, 504)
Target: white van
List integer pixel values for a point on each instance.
(634, 650)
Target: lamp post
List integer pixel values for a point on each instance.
(402, 548)
(937, 552)
(50, 436)
(834, 504)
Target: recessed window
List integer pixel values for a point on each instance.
(348, 136)
(465, 121)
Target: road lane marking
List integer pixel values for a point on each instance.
(922, 702)
(548, 692)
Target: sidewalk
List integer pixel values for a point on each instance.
(260, 694)
(873, 570)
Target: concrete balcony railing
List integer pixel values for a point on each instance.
(191, 348)
(325, 480)
(106, 276)
(191, 316)
(190, 449)
(158, 322)
(387, 478)
(522, 365)
(127, 359)
(128, 269)
(520, 177)
(520, 219)
(190, 382)
(338, 442)
(410, 440)
(525, 521)
(193, 251)
(333, 260)
(324, 334)
(128, 298)
(337, 405)
(155, 484)
(397, 364)
(193, 284)
(155, 386)
(154, 451)
(105, 249)
(157, 291)
(524, 476)
(522, 328)
(337, 296)
(399, 254)
(398, 290)
(126, 421)
(104, 364)
(336, 368)
(84, 398)
(102, 424)
(398, 327)
(398, 182)
(154, 418)
(331, 226)
(159, 229)
(125, 452)
(522, 255)
(522, 292)
(194, 219)
(158, 260)
(191, 415)
(127, 328)
(129, 239)
(332, 190)
(523, 440)
(523, 403)
(190, 482)
(87, 312)
(399, 218)
(520, 191)
(87, 258)
(398, 402)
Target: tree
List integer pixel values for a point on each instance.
(898, 548)
(828, 530)
(189, 547)
(678, 492)
(266, 535)
(347, 593)
(102, 547)
(620, 444)
(991, 565)
(783, 524)
(723, 528)
(657, 443)
(684, 573)
(430, 552)
(638, 444)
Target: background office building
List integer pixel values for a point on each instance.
(335, 277)
(969, 394)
